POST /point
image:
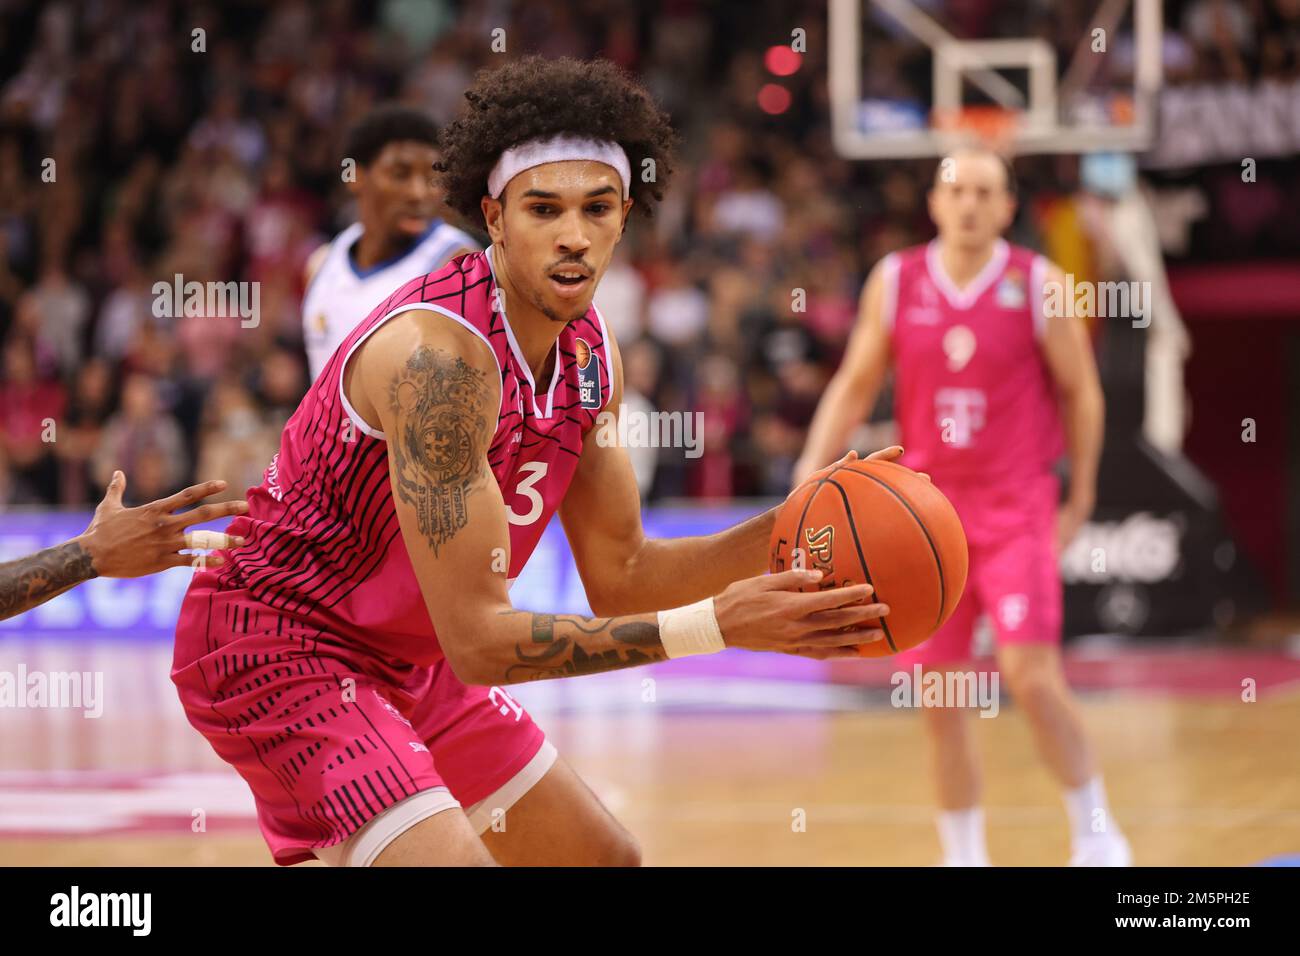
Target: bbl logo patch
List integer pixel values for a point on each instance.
(588, 374)
(1011, 290)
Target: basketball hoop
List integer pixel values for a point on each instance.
(992, 126)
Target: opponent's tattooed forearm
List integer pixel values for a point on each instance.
(438, 402)
(565, 645)
(35, 579)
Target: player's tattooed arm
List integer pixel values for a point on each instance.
(566, 645)
(439, 404)
(39, 577)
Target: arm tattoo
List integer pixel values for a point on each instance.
(438, 451)
(35, 579)
(562, 654)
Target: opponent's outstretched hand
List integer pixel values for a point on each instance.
(132, 542)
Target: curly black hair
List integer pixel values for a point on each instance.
(537, 97)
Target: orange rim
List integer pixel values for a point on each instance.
(992, 125)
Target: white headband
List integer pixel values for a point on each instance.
(557, 149)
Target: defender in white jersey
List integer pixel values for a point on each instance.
(398, 235)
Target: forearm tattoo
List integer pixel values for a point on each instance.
(35, 579)
(557, 648)
(438, 451)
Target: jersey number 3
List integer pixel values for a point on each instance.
(530, 474)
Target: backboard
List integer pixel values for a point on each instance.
(1010, 91)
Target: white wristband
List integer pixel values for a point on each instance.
(689, 630)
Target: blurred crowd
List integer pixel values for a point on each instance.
(144, 141)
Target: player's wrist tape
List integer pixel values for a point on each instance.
(689, 630)
(206, 540)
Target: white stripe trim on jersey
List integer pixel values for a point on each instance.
(1038, 297)
(965, 298)
(519, 355)
(413, 307)
(889, 278)
(609, 362)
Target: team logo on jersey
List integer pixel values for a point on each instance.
(926, 311)
(1011, 290)
(588, 363)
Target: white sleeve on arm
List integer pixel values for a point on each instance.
(1038, 295)
(889, 299)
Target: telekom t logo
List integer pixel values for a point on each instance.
(959, 413)
(1012, 610)
(505, 703)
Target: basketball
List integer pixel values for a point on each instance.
(878, 523)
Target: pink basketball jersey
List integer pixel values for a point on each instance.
(973, 395)
(324, 546)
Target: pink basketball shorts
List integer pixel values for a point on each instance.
(328, 736)
(1014, 574)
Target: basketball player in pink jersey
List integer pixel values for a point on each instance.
(989, 390)
(347, 660)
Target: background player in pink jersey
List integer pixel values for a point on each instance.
(345, 660)
(984, 380)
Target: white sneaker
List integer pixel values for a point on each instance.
(948, 861)
(1105, 849)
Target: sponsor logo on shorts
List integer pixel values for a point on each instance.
(1012, 611)
(505, 704)
(392, 711)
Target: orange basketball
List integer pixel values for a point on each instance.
(878, 523)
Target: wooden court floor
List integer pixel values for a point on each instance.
(1193, 780)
